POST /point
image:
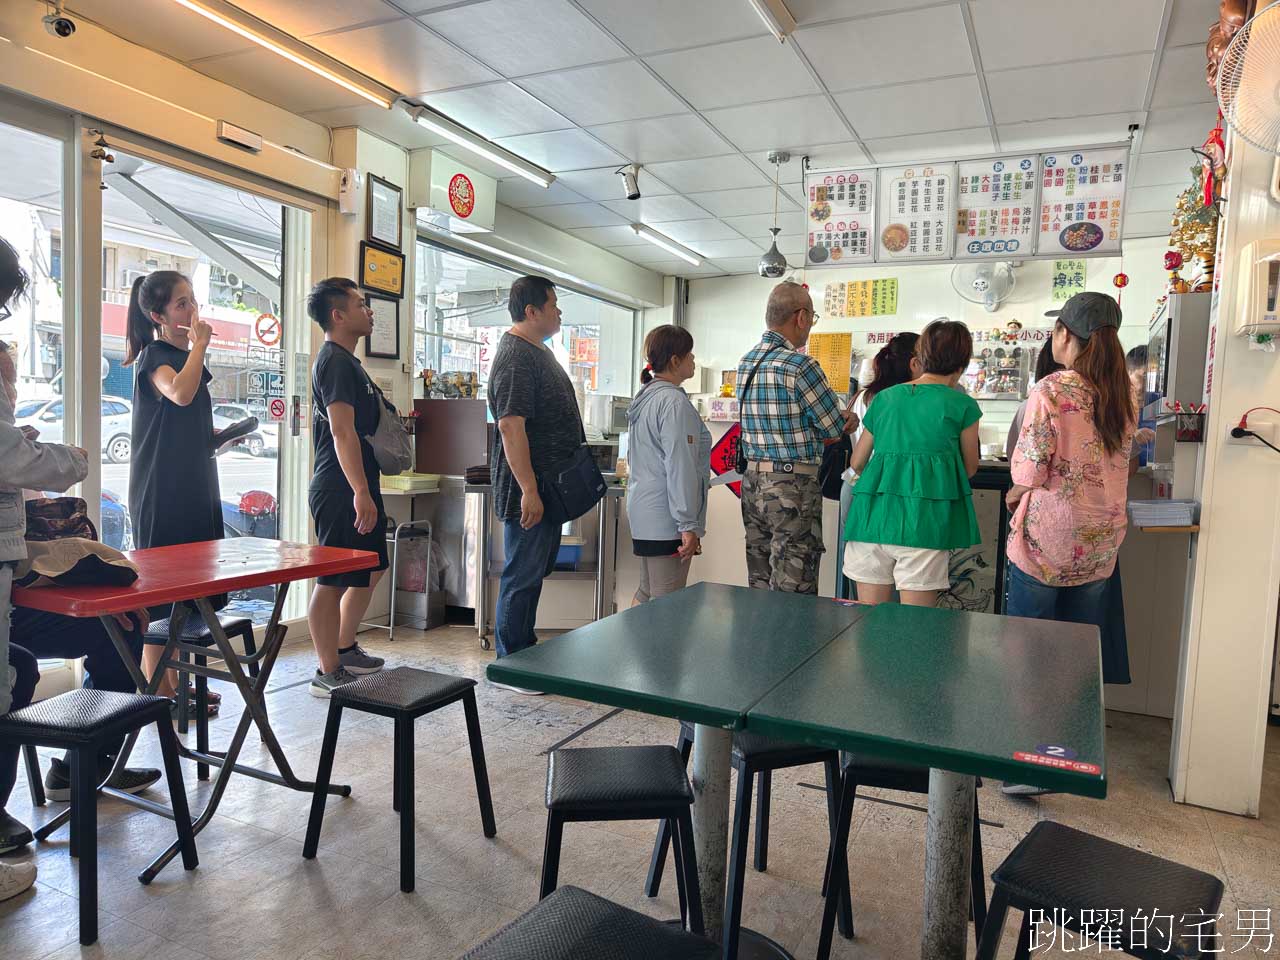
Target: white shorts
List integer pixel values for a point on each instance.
(907, 568)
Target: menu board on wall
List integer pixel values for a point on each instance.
(840, 206)
(861, 298)
(917, 212)
(1081, 195)
(996, 200)
(833, 351)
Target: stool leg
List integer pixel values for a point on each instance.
(978, 876)
(202, 718)
(177, 794)
(250, 648)
(845, 915)
(478, 766)
(1023, 951)
(737, 863)
(34, 783)
(395, 767)
(84, 809)
(681, 893)
(551, 854)
(689, 859)
(992, 930)
(404, 759)
(183, 706)
(658, 859)
(764, 784)
(838, 873)
(323, 771)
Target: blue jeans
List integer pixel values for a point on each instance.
(531, 556)
(1028, 597)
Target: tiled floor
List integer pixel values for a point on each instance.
(253, 895)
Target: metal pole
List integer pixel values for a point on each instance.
(948, 847)
(712, 750)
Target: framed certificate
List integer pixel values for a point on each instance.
(383, 212)
(381, 270)
(384, 341)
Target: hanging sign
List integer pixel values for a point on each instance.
(841, 208)
(996, 200)
(917, 212)
(1081, 196)
(861, 298)
(1068, 279)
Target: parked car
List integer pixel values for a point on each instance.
(116, 528)
(263, 442)
(117, 424)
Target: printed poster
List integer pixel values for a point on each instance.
(1081, 200)
(996, 200)
(861, 298)
(833, 351)
(840, 206)
(1068, 279)
(917, 212)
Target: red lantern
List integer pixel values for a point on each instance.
(1121, 280)
(1173, 260)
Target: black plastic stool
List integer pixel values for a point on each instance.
(34, 784)
(590, 784)
(572, 924)
(1064, 872)
(85, 722)
(404, 694)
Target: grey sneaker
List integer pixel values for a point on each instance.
(57, 782)
(514, 689)
(355, 660)
(322, 684)
(1023, 790)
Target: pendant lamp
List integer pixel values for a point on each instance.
(773, 264)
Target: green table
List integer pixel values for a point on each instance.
(963, 694)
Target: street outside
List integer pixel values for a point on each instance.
(238, 473)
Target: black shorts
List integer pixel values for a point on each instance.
(334, 512)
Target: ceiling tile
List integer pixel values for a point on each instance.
(1181, 78)
(1030, 34)
(570, 215)
(711, 173)
(669, 138)
(670, 24)
(1160, 198)
(793, 246)
(729, 74)
(1067, 132)
(301, 18)
(914, 107)
(519, 37)
(610, 237)
(1114, 84)
(758, 225)
(605, 184)
(521, 194)
(605, 93)
(1150, 224)
(691, 232)
(1175, 128)
(1190, 22)
(161, 25)
(497, 110)
(672, 267)
(818, 11)
(657, 209)
(1168, 166)
(715, 249)
(561, 150)
(737, 203)
(915, 45)
(403, 56)
(931, 146)
(821, 156)
(781, 123)
(264, 74)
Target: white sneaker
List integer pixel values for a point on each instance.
(1023, 790)
(15, 879)
(515, 689)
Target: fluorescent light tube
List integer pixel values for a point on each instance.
(776, 17)
(666, 243)
(230, 23)
(455, 133)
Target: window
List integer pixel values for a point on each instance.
(460, 311)
(113, 408)
(28, 409)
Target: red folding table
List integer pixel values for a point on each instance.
(192, 574)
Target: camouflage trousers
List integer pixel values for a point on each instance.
(782, 516)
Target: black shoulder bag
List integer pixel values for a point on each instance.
(576, 483)
(742, 454)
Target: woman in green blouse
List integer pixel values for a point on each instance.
(912, 504)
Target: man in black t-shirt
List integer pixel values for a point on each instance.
(533, 402)
(345, 499)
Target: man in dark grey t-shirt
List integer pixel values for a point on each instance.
(539, 426)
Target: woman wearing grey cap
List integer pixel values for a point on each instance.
(1071, 470)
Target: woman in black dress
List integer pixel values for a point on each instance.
(173, 477)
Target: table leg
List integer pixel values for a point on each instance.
(948, 847)
(712, 750)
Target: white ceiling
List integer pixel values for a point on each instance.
(698, 92)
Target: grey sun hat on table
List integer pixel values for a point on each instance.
(1086, 312)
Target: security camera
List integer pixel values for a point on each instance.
(630, 181)
(59, 25)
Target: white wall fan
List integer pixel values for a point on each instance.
(989, 284)
(1249, 85)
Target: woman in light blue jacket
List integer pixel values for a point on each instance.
(669, 460)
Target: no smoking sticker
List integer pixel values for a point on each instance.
(267, 329)
(276, 408)
(1057, 763)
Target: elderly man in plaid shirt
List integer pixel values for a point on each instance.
(787, 412)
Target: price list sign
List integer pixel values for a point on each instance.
(917, 212)
(997, 207)
(1081, 195)
(841, 216)
(861, 298)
